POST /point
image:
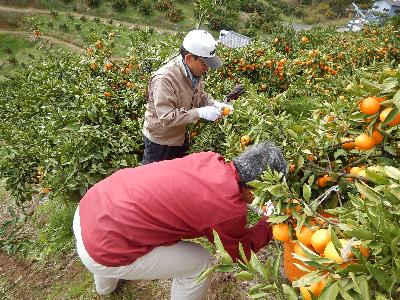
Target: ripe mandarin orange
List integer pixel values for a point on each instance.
(364, 142)
(385, 113)
(281, 232)
(320, 239)
(244, 140)
(348, 143)
(369, 106)
(304, 236)
(330, 251)
(377, 137)
(225, 111)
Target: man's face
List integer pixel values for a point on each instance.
(196, 65)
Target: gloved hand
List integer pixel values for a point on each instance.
(268, 208)
(235, 93)
(222, 105)
(210, 113)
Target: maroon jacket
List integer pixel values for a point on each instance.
(127, 214)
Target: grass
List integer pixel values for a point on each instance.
(12, 45)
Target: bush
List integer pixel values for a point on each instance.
(221, 18)
(93, 3)
(119, 5)
(146, 7)
(135, 2)
(251, 6)
(164, 5)
(175, 15)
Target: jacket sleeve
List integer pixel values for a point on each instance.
(166, 105)
(234, 231)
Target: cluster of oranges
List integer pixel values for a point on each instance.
(318, 240)
(371, 107)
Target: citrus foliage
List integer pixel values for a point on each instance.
(69, 121)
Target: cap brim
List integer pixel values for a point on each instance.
(212, 62)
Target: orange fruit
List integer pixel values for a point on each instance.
(304, 39)
(350, 143)
(316, 288)
(107, 94)
(330, 252)
(310, 157)
(225, 111)
(377, 137)
(292, 168)
(321, 182)
(355, 170)
(98, 44)
(46, 190)
(281, 232)
(108, 66)
(320, 239)
(244, 140)
(298, 250)
(362, 173)
(364, 250)
(385, 113)
(304, 236)
(364, 142)
(369, 106)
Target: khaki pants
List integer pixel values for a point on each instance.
(182, 262)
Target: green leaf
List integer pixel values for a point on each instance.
(255, 263)
(362, 234)
(217, 241)
(330, 293)
(277, 265)
(242, 254)
(392, 172)
(259, 295)
(393, 246)
(362, 282)
(206, 273)
(335, 240)
(369, 192)
(300, 162)
(244, 275)
(255, 288)
(289, 292)
(277, 219)
(376, 177)
(308, 279)
(306, 192)
(225, 268)
(339, 152)
(380, 276)
(292, 133)
(225, 258)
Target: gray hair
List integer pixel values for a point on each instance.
(251, 163)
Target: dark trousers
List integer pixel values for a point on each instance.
(154, 152)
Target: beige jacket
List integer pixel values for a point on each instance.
(171, 104)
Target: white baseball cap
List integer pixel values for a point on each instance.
(202, 43)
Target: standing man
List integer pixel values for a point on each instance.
(176, 97)
(131, 224)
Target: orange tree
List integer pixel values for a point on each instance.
(338, 209)
(69, 121)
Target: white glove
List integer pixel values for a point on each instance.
(221, 106)
(269, 208)
(210, 113)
